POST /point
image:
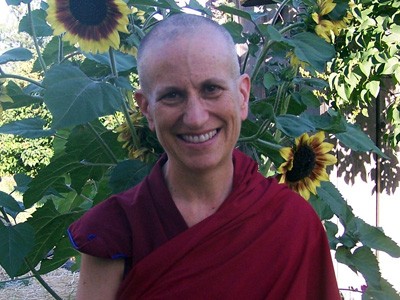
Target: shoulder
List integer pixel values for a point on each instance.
(294, 208)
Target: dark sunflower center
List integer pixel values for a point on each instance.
(303, 164)
(89, 12)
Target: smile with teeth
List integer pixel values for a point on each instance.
(201, 138)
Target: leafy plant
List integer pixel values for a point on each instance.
(87, 94)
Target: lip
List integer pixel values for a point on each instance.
(199, 138)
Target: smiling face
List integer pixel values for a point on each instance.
(194, 99)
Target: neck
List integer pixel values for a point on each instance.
(198, 195)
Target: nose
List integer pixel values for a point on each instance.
(196, 113)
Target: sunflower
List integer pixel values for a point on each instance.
(147, 149)
(327, 28)
(305, 164)
(94, 24)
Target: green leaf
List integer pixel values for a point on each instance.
(365, 261)
(28, 128)
(15, 243)
(373, 87)
(374, 238)
(42, 28)
(250, 16)
(321, 207)
(293, 126)
(328, 193)
(366, 67)
(235, 29)
(62, 252)
(357, 140)
(123, 61)
(51, 176)
(127, 174)
(333, 123)
(22, 181)
(74, 99)
(385, 292)
(20, 97)
(269, 80)
(270, 32)
(50, 228)
(7, 201)
(312, 49)
(16, 54)
(88, 146)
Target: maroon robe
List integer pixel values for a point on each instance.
(264, 242)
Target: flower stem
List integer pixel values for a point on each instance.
(41, 281)
(279, 10)
(124, 104)
(41, 61)
(5, 75)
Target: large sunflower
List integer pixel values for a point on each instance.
(94, 24)
(305, 164)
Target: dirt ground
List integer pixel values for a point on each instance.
(62, 281)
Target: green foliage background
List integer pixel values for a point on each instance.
(77, 160)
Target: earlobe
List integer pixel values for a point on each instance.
(143, 104)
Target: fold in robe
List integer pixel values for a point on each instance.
(264, 242)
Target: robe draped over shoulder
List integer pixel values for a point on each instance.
(264, 242)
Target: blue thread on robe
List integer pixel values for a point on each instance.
(91, 236)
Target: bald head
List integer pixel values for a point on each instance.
(181, 27)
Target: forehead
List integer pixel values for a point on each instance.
(195, 53)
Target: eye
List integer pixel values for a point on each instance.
(171, 97)
(212, 90)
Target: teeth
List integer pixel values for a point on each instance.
(199, 138)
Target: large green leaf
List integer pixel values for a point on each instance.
(293, 126)
(74, 99)
(355, 139)
(312, 49)
(62, 252)
(362, 260)
(92, 146)
(123, 61)
(42, 28)
(374, 238)
(50, 177)
(127, 174)
(31, 128)
(327, 122)
(328, 193)
(15, 243)
(16, 54)
(50, 228)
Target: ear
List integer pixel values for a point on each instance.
(244, 89)
(143, 104)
